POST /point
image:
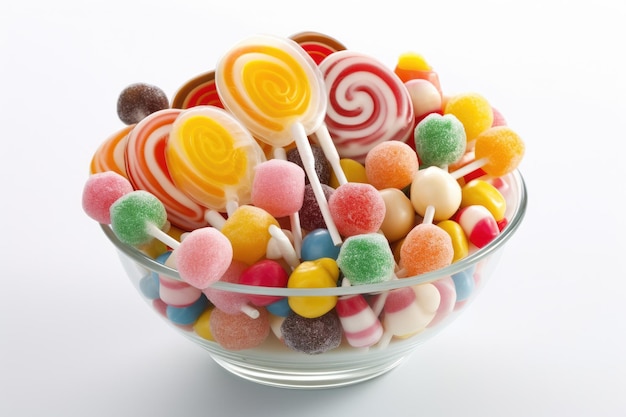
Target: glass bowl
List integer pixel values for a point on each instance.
(275, 364)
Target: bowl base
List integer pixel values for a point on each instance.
(308, 379)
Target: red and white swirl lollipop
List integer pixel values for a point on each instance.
(147, 169)
(367, 104)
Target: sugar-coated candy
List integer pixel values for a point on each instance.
(135, 215)
(322, 167)
(317, 45)
(310, 215)
(100, 191)
(354, 172)
(357, 208)
(312, 335)
(198, 91)
(439, 140)
(479, 225)
(110, 154)
(247, 228)
(400, 215)
(231, 302)
(425, 248)
(138, 100)
(203, 257)
(320, 273)
(460, 244)
(483, 193)
(278, 187)
(174, 292)
(318, 244)
(391, 164)
(473, 110)
(502, 149)
(434, 187)
(367, 103)
(186, 315)
(366, 259)
(264, 273)
(239, 331)
(402, 315)
(360, 325)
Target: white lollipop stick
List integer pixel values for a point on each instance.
(163, 237)
(308, 162)
(330, 151)
(471, 167)
(284, 245)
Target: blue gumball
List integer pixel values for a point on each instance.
(318, 244)
(464, 283)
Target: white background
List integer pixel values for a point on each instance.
(547, 335)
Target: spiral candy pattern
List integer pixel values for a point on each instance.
(211, 157)
(147, 169)
(198, 91)
(367, 104)
(269, 84)
(110, 154)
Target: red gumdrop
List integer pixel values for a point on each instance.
(357, 208)
(266, 273)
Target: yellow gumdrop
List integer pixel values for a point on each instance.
(247, 228)
(502, 148)
(354, 171)
(413, 61)
(460, 244)
(473, 111)
(202, 327)
(482, 193)
(320, 273)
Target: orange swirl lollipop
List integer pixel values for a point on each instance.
(276, 90)
(197, 91)
(110, 154)
(211, 157)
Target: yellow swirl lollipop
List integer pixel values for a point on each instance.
(211, 157)
(276, 90)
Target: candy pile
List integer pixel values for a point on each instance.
(299, 163)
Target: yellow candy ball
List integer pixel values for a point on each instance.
(321, 273)
(353, 170)
(202, 327)
(460, 244)
(248, 231)
(473, 111)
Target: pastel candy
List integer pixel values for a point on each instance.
(426, 248)
(391, 164)
(100, 191)
(483, 193)
(460, 244)
(439, 140)
(479, 225)
(464, 283)
(472, 110)
(434, 187)
(356, 208)
(360, 325)
(133, 214)
(186, 315)
(231, 302)
(247, 228)
(278, 187)
(239, 331)
(399, 214)
(502, 148)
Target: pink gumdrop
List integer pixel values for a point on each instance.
(101, 190)
(357, 208)
(498, 118)
(479, 225)
(278, 187)
(239, 331)
(228, 301)
(203, 257)
(266, 273)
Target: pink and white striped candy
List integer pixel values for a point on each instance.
(177, 293)
(147, 169)
(479, 225)
(367, 104)
(360, 325)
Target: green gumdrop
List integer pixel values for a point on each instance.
(131, 215)
(439, 140)
(366, 259)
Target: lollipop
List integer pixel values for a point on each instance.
(498, 151)
(198, 91)
(101, 190)
(275, 89)
(211, 157)
(110, 154)
(147, 169)
(317, 45)
(439, 140)
(367, 104)
(138, 217)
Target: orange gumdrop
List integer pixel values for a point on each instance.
(391, 164)
(426, 248)
(502, 148)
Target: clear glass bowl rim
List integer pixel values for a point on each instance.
(515, 220)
